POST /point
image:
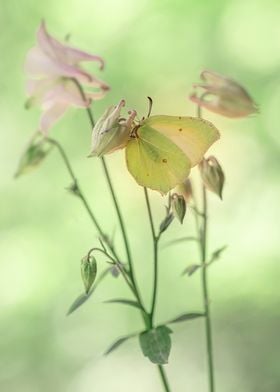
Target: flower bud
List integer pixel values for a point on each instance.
(212, 175)
(34, 154)
(111, 131)
(178, 205)
(223, 96)
(88, 271)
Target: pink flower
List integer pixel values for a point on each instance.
(223, 96)
(54, 76)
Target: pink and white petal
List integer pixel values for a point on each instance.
(51, 116)
(38, 64)
(37, 88)
(63, 52)
(67, 92)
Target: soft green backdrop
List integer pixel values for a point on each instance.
(155, 48)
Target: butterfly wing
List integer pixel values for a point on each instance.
(192, 135)
(156, 162)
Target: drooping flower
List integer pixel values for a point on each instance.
(55, 75)
(111, 132)
(223, 96)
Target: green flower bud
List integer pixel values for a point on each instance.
(212, 175)
(88, 271)
(34, 154)
(178, 205)
(111, 132)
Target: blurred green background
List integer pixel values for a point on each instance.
(155, 48)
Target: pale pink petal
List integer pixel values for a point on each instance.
(62, 51)
(51, 115)
(67, 92)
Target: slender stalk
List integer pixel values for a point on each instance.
(155, 250)
(155, 238)
(206, 304)
(114, 197)
(204, 279)
(163, 378)
(80, 194)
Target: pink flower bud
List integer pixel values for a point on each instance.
(212, 175)
(223, 96)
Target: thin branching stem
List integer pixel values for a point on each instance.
(115, 201)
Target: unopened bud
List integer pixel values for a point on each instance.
(88, 271)
(223, 95)
(34, 154)
(178, 205)
(212, 175)
(111, 131)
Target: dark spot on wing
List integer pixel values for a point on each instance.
(180, 129)
(164, 160)
(180, 118)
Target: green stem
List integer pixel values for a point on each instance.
(82, 197)
(205, 291)
(155, 251)
(115, 201)
(163, 378)
(204, 269)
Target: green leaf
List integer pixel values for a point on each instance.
(118, 343)
(186, 317)
(34, 154)
(156, 344)
(191, 269)
(82, 298)
(217, 254)
(166, 222)
(124, 302)
(179, 240)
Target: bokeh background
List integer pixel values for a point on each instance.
(155, 48)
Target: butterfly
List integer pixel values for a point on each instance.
(160, 150)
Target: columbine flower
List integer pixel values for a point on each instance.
(54, 76)
(111, 131)
(223, 96)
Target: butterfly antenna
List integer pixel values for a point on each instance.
(150, 106)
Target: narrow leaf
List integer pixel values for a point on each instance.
(124, 302)
(217, 254)
(82, 298)
(179, 240)
(166, 222)
(186, 317)
(191, 269)
(156, 344)
(118, 343)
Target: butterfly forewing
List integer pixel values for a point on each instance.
(192, 135)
